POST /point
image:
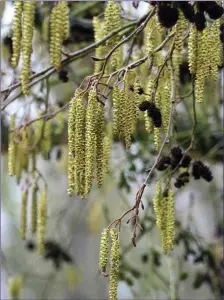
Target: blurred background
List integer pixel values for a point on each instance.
(195, 267)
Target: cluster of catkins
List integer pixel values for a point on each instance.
(114, 259)
(52, 251)
(177, 159)
(88, 144)
(23, 28)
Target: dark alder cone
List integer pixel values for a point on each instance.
(63, 75)
(184, 174)
(144, 106)
(176, 152)
(214, 10)
(157, 118)
(151, 109)
(30, 246)
(54, 252)
(200, 21)
(58, 154)
(201, 6)
(186, 161)
(185, 75)
(163, 163)
(197, 167)
(179, 183)
(144, 258)
(167, 15)
(206, 174)
(187, 10)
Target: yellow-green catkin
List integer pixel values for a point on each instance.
(34, 209)
(53, 17)
(148, 97)
(128, 116)
(215, 49)
(65, 24)
(15, 287)
(114, 264)
(60, 119)
(58, 39)
(170, 220)
(46, 141)
(202, 64)
(71, 145)
(158, 38)
(123, 120)
(180, 26)
(42, 218)
(23, 149)
(38, 130)
(17, 33)
(116, 111)
(157, 130)
(23, 215)
(164, 224)
(27, 37)
(165, 92)
(149, 40)
(112, 22)
(157, 204)
(90, 145)
(104, 245)
(79, 149)
(98, 35)
(107, 144)
(99, 144)
(59, 31)
(12, 147)
(192, 50)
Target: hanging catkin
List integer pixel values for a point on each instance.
(104, 245)
(34, 209)
(107, 144)
(90, 140)
(42, 218)
(116, 111)
(157, 204)
(99, 144)
(215, 50)
(59, 31)
(12, 148)
(46, 141)
(114, 264)
(192, 50)
(171, 220)
(15, 287)
(98, 35)
(71, 144)
(112, 22)
(157, 130)
(202, 64)
(27, 37)
(17, 33)
(23, 215)
(79, 138)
